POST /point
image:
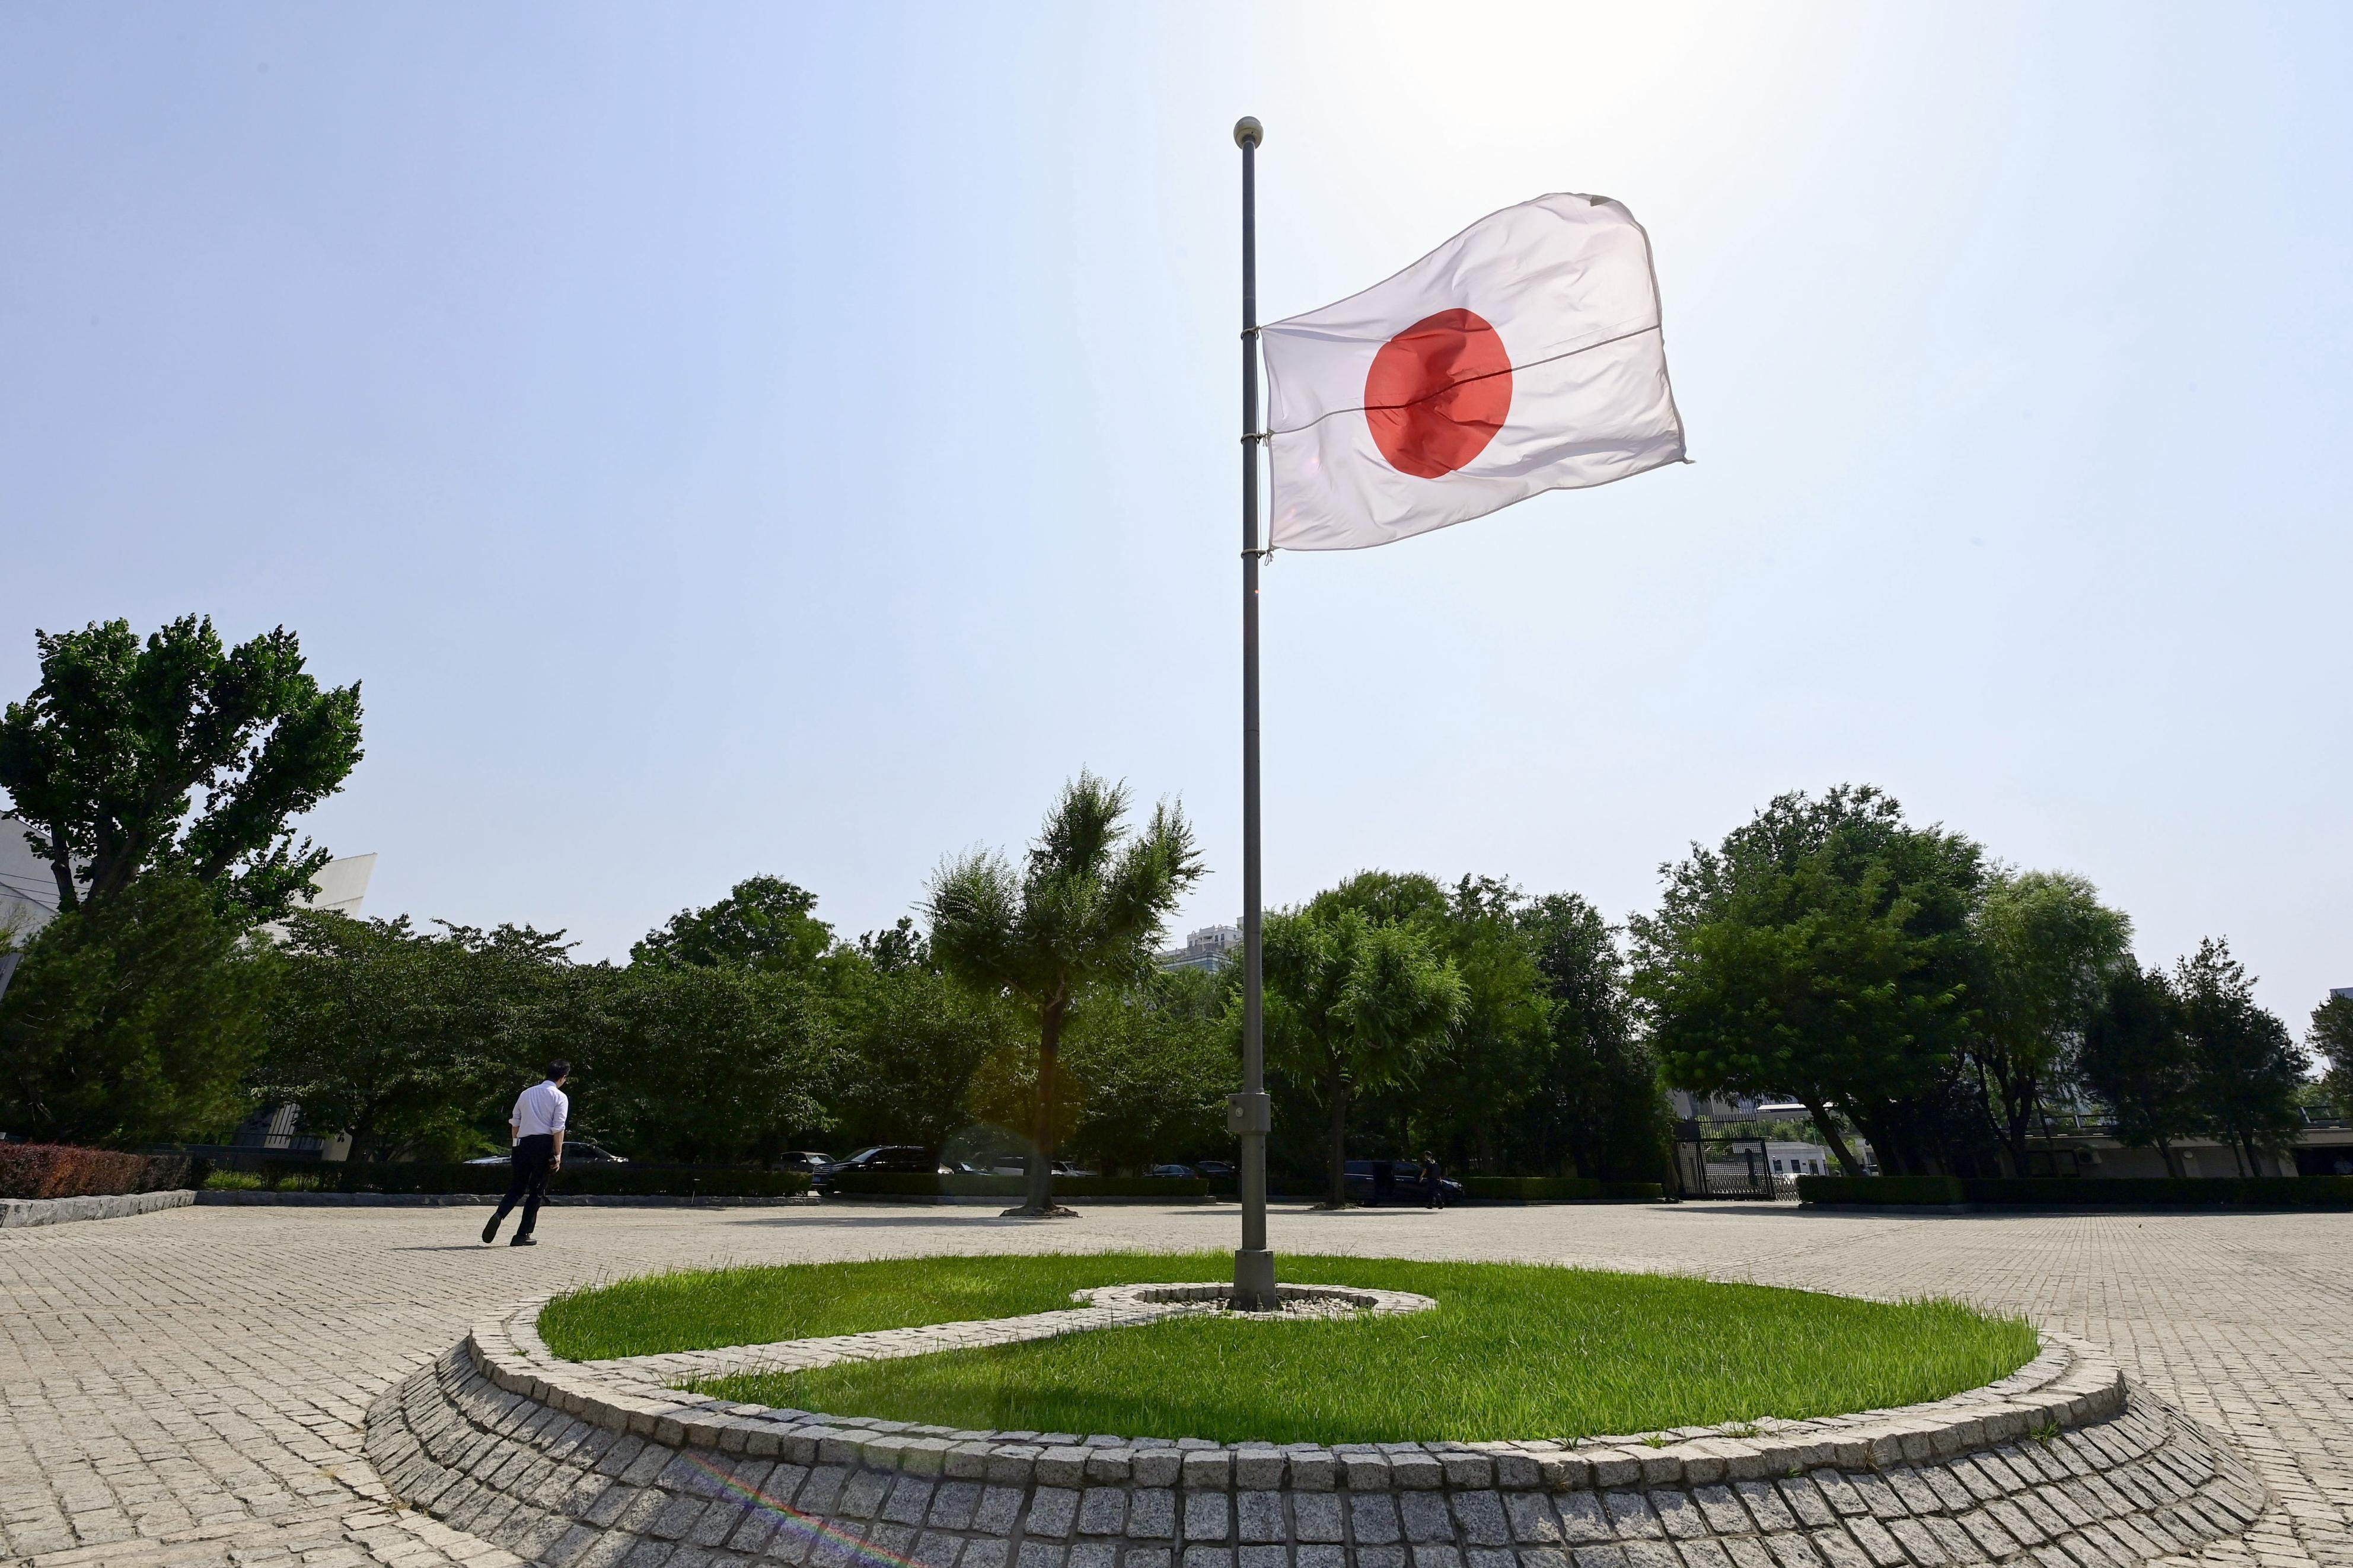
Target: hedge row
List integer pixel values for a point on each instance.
(1559, 1189)
(915, 1184)
(2081, 1192)
(63, 1171)
(599, 1180)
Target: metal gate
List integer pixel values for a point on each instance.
(1709, 1167)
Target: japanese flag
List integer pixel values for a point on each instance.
(1522, 355)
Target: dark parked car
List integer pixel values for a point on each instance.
(905, 1158)
(803, 1160)
(1019, 1167)
(1393, 1181)
(1216, 1170)
(1180, 1172)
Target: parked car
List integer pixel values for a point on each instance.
(1176, 1173)
(1393, 1181)
(1216, 1170)
(903, 1158)
(577, 1152)
(803, 1160)
(1020, 1167)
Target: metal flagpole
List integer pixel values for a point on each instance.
(1248, 1113)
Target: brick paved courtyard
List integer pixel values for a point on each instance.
(188, 1387)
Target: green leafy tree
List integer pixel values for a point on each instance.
(1084, 908)
(2046, 946)
(1602, 1084)
(912, 1040)
(704, 1064)
(133, 1021)
(1477, 1093)
(1824, 952)
(1485, 1097)
(408, 1041)
(1154, 1064)
(2136, 1058)
(1352, 1004)
(2249, 1070)
(897, 950)
(2331, 1038)
(106, 760)
(763, 922)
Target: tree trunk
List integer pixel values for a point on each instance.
(1040, 1200)
(1828, 1130)
(1338, 1098)
(362, 1136)
(2018, 1109)
(61, 867)
(2165, 1152)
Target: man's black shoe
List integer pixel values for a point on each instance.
(490, 1230)
(525, 1241)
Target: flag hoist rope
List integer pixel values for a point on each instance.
(1248, 1113)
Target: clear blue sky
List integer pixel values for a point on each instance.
(750, 438)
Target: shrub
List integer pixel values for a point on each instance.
(1634, 1192)
(2084, 1192)
(65, 1171)
(166, 1172)
(1888, 1190)
(232, 1181)
(1558, 1189)
(631, 1180)
(915, 1184)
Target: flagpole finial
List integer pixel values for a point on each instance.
(1248, 131)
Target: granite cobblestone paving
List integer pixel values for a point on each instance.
(189, 1387)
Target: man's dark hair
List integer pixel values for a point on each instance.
(558, 1068)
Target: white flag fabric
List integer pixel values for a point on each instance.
(1522, 355)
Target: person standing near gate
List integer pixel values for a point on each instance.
(1433, 1181)
(536, 1127)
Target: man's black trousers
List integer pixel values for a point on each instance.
(527, 1185)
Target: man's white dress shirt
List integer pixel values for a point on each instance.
(542, 1107)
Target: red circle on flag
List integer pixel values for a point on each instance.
(1437, 393)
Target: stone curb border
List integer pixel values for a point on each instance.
(965, 1200)
(19, 1213)
(236, 1197)
(2070, 1383)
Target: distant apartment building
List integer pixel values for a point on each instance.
(1205, 949)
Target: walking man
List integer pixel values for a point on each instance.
(1433, 1181)
(536, 1127)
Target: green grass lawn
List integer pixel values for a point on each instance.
(1514, 1350)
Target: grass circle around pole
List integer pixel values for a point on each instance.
(1513, 1351)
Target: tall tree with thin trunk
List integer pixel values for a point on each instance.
(2046, 946)
(2331, 1039)
(2136, 1058)
(1085, 908)
(1351, 1005)
(2249, 1070)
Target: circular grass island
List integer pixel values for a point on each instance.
(1512, 1351)
(1105, 1411)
